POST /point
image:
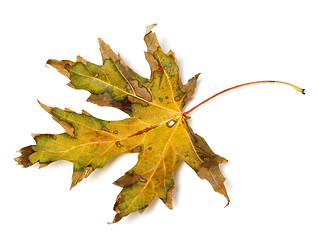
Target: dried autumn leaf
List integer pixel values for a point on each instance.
(157, 128)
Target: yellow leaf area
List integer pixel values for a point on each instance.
(157, 129)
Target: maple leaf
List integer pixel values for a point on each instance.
(157, 128)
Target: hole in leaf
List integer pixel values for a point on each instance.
(171, 123)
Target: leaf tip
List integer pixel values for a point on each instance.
(79, 175)
(50, 61)
(100, 41)
(23, 159)
(117, 218)
(60, 66)
(45, 107)
(168, 200)
(228, 202)
(86, 113)
(118, 215)
(149, 28)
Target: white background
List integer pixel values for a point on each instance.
(267, 132)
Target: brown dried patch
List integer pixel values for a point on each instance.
(210, 158)
(124, 105)
(141, 91)
(105, 99)
(152, 46)
(136, 149)
(128, 180)
(143, 131)
(60, 66)
(69, 130)
(189, 88)
(102, 99)
(133, 99)
(80, 175)
(216, 179)
(151, 42)
(118, 215)
(152, 63)
(209, 169)
(106, 51)
(23, 159)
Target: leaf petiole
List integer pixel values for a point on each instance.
(301, 90)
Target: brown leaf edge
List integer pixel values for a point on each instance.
(26, 152)
(209, 169)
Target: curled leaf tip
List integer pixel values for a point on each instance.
(150, 27)
(227, 203)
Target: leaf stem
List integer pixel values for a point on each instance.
(301, 90)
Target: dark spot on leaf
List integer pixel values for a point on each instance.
(177, 98)
(160, 99)
(115, 132)
(150, 148)
(124, 105)
(105, 129)
(136, 149)
(118, 144)
(144, 130)
(128, 180)
(166, 97)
